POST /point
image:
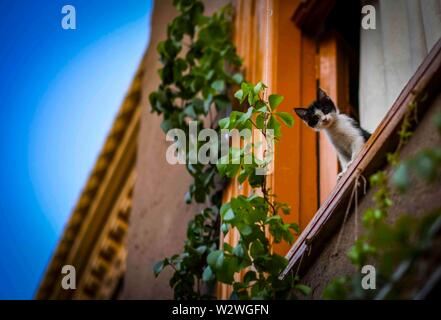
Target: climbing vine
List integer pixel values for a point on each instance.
(198, 62)
(393, 247)
(196, 58)
(198, 70)
(253, 215)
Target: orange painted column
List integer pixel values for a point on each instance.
(275, 51)
(295, 174)
(251, 28)
(334, 79)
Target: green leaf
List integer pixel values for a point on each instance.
(207, 103)
(198, 105)
(252, 98)
(189, 111)
(166, 125)
(238, 251)
(212, 258)
(222, 167)
(276, 264)
(286, 209)
(260, 107)
(224, 209)
(255, 180)
(218, 85)
(400, 178)
(224, 228)
(260, 121)
(159, 266)
(201, 249)
(234, 116)
(246, 87)
(168, 49)
(425, 165)
(209, 74)
(336, 289)
(305, 290)
(220, 261)
(258, 88)
(246, 116)
(238, 78)
(229, 215)
(274, 101)
(227, 266)
(207, 275)
(287, 236)
(224, 123)
(239, 95)
(249, 276)
(227, 247)
(286, 118)
(242, 177)
(245, 230)
(274, 125)
(222, 102)
(275, 218)
(295, 227)
(257, 249)
(243, 92)
(232, 170)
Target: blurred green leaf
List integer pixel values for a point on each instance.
(400, 177)
(305, 290)
(208, 275)
(218, 85)
(286, 118)
(238, 78)
(159, 266)
(275, 100)
(239, 95)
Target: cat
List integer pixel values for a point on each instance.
(344, 133)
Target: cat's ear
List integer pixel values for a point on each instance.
(301, 112)
(322, 94)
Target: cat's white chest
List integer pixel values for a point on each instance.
(343, 136)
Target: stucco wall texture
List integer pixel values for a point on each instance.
(423, 197)
(159, 217)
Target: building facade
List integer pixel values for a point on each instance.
(132, 211)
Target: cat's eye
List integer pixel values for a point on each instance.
(326, 109)
(313, 120)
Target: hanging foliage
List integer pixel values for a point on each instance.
(198, 59)
(393, 248)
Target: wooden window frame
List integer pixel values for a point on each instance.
(426, 79)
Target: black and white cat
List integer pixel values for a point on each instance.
(345, 133)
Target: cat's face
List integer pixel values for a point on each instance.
(320, 114)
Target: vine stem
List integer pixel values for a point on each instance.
(252, 122)
(264, 186)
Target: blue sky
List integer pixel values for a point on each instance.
(59, 92)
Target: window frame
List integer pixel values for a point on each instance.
(427, 80)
